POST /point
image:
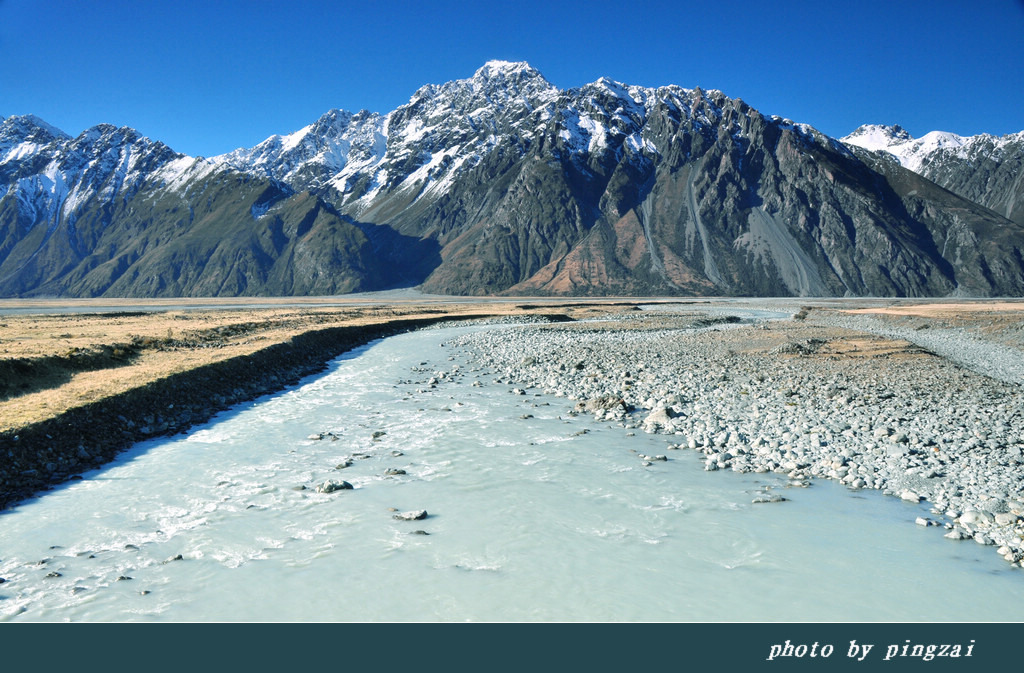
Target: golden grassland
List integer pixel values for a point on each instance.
(950, 311)
(53, 362)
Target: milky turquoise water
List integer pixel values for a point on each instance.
(543, 518)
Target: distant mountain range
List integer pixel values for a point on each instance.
(504, 184)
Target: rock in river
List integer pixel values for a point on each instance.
(413, 515)
(332, 485)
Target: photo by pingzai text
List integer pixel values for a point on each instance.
(862, 651)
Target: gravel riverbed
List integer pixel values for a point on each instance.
(922, 414)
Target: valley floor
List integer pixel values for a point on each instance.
(920, 399)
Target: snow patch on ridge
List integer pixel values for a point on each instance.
(175, 174)
(915, 153)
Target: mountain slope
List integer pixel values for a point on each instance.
(502, 183)
(986, 169)
(112, 213)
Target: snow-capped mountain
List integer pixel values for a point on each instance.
(113, 212)
(25, 136)
(503, 183)
(422, 146)
(984, 168)
(917, 154)
(53, 177)
(315, 153)
(912, 153)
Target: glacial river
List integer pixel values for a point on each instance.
(532, 516)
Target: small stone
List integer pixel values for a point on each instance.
(767, 498)
(393, 471)
(414, 515)
(975, 518)
(332, 485)
(1006, 519)
(910, 496)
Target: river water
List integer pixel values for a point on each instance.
(532, 516)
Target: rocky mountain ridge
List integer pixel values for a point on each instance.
(986, 169)
(502, 183)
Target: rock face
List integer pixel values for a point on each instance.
(502, 183)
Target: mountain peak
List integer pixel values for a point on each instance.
(878, 136)
(508, 74)
(912, 153)
(28, 124)
(504, 67)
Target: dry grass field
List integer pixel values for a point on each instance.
(52, 362)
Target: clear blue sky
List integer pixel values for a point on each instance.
(207, 77)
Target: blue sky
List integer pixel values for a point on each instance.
(207, 77)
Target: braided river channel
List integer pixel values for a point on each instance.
(532, 515)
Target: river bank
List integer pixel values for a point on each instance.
(77, 388)
(862, 398)
(919, 401)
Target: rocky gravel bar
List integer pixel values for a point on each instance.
(819, 395)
